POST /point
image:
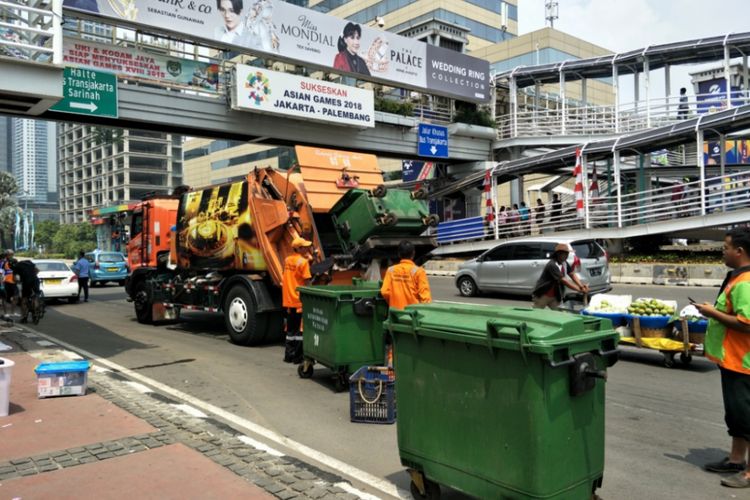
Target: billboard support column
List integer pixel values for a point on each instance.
(562, 101)
(57, 33)
(616, 90)
(667, 87)
(727, 75)
(702, 169)
(647, 88)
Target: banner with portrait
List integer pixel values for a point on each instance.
(295, 34)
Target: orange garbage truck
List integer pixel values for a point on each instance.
(222, 248)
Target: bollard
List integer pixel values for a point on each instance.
(6, 366)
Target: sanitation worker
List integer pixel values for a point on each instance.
(296, 274)
(405, 283)
(728, 345)
(557, 274)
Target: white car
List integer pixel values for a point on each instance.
(58, 281)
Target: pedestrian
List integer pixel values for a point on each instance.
(27, 275)
(556, 276)
(82, 268)
(727, 343)
(513, 220)
(9, 281)
(683, 109)
(555, 209)
(502, 220)
(539, 214)
(296, 274)
(525, 215)
(405, 283)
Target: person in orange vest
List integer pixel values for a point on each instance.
(405, 283)
(9, 281)
(296, 274)
(728, 344)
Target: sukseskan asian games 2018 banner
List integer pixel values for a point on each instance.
(289, 32)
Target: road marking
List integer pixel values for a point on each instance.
(193, 412)
(135, 385)
(335, 464)
(354, 491)
(45, 343)
(260, 446)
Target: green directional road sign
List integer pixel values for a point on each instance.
(88, 92)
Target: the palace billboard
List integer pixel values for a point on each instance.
(295, 34)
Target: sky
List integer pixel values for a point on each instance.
(622, 25)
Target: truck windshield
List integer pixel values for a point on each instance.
(136, 225)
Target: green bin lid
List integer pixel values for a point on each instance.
(539, 331)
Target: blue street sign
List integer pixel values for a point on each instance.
(432, 141)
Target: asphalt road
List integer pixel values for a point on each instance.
(662, 424)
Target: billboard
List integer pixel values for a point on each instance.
(215, 230)
(264, 91)
(296, 34)
(712, 96)
(126, 61)
(735, 152)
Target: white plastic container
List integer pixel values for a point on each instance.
(6, 367)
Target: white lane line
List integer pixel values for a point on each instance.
(260, 446)
(193, 412)
(343, 468)
(354, 491)
(135, 385)
(70, 355)
(45, 343)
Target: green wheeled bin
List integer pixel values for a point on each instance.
(342, 328)
(383, 213)
(501, 402)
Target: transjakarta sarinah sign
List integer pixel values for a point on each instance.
(263, 91)
(292, 33)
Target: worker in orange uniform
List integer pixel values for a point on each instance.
(405, 283)
(296, 274)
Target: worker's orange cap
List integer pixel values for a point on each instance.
(300, 242)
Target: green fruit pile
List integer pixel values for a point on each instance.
(650, 307)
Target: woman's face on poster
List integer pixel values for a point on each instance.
(231, 18)
(352, 43)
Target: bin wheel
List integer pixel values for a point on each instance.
(669, 359)
(686, 358)
(432, 220)
(305, 371)
(379, 191)
(390, 219)
(431, 490)
(419, 194)
(341, 382)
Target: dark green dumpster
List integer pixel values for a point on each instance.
(342, 328)
(392, 213)
(501, 402)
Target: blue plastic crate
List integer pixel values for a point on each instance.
(693, 326)
(617, 319)
(372, 396)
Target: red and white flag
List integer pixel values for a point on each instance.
(490, 211)
(578, 174)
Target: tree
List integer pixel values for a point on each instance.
(72, 238)
(44, 233)
(8, 191)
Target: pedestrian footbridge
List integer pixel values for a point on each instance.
(32, 65)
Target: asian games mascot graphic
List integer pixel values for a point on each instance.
(259, 87)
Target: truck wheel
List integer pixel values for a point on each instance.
(241, 318)
(142, 301)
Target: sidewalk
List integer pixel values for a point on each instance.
(122, 441)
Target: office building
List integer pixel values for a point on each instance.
(103, 167)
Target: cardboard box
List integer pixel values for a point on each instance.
(67, 378)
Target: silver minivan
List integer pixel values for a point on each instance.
(515, 266)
